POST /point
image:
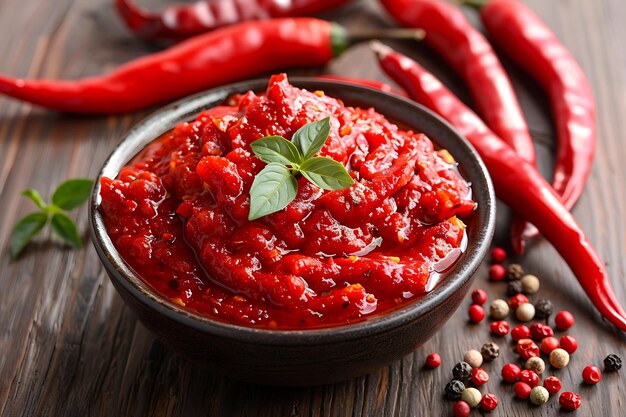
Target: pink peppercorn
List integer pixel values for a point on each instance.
(510, 372)
(539, 331)
(517, 300)
(522, 390)
(479, 376)
(498, 254)
(549, 344)
(489, 402)
(433, 360)
(564, 320)
(500, 328)
(520, 332)
(592, 375)
(526, 348)
(461, 409)
(529, 377)
(479, 297)
(497, 272)
(476, 313)
(552, 384)
(569, 344)
(570, 400)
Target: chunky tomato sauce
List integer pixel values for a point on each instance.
(178, 216)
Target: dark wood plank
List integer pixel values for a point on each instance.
(69, 346)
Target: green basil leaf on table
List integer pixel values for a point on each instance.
(64, 227)
(276, 149)
(272, 189)
(35, 197)
(72, 193)
(25, 230)
(310, 138)
(326, 173)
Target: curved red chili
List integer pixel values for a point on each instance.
(536, 49)
(376, 84)
(517, 182)
(226, 55)
(183, 21)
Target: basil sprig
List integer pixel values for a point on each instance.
(69, 195)
(276, 186)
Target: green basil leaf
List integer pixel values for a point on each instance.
(35, 196)
(72, 193)
(272, 189)
(276, 149)
(25, 230)
(310, 138)
(66, 229)
(326, 173)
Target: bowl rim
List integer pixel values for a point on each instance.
(143, 132)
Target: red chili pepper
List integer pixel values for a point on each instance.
(517, 182)
(375, 84)
(518, 31)
(184, 21)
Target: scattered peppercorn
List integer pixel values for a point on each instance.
(530, 284)
(454, 389)
(612, 363)
(520, 332)
(543, 308)
(535, 364)
(510, 372)
(474, 358)
(517, 300)
(499, 309)
(479, 297)
(552, 384)
(490, 351)
(525, 312)
(479, 377)
(522, 390)
(539, 395)
(471, 396)
(497, 272)
(462, 371)
(433, 360)
(559, 358)
(529, 377)
(527, 349)
(570, 400)
(498, 254)
(500, 328)
(489, 402)
(476, 313)
(514, 288)
(515, 272)
(564, 320)
(548, 344)
(568, 343)
(461, 409)
(592, 375)
(539, 331)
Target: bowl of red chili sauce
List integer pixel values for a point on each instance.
(335, 284)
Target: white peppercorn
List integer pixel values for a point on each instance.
(471, 396)
(499, 309)
(559, 358)
(474, 358)
(539, 395)
(525, 312)
(530, 284)
(536, 364)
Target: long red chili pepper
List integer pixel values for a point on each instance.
(517, 182)
(378, 85)
(183, 21)
(533, 46)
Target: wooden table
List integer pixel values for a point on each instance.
(69, 346)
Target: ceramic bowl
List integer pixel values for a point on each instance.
(307, 357)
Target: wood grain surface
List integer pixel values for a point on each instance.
(69, 346)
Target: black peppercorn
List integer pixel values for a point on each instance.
(454, 389)
(543, 308)
(490, 351)
(612, 363)
(515, 272)
(514, 288)
(462, 371)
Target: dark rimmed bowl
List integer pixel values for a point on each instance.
(307, 357)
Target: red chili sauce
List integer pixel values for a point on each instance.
(178, 215)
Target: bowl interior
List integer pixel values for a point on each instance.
(397, 109)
